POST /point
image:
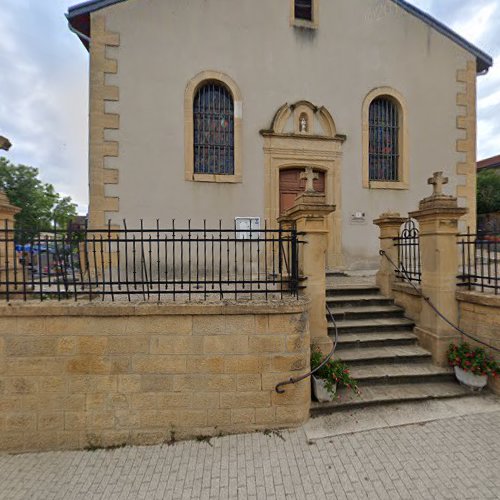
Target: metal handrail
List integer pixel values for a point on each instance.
(295, 380)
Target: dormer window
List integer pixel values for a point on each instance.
(304, 10)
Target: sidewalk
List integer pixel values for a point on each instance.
(449, 458)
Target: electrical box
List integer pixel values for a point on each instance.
(247, 228)
(358, 218)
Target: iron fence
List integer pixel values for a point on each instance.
(197, 263)
(408, 245)
(479, 264)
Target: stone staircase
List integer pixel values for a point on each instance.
(377, 341)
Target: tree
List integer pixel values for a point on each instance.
(488, 192)
(41, 206)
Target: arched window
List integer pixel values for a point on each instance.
(304, 9)
(384, 140)
(213, 134)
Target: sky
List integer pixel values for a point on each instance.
(44, 85)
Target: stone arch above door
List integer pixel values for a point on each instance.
(304, 135)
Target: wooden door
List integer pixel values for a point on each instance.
(291, 185)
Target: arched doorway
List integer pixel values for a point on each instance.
(291, 185)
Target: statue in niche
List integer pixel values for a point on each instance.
(303, 124)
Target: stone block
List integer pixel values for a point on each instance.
(292, 415)
(92, 345)
(297, 395)
(156, 383)
(33, 366)
(245, 399)
(289, 363)
(285, 324)
(29, 346)
(166, 401)
(295, 343)
(176, 325)
(21, 385)
(267, 343)
(205, 382)
(261, 324)
(101, 419)
(159, 364)
(52, 384)
(143, 401)
(243, 416)
(209, 325)
(176, 344)
(50, 421)
(249, 382)
(129, 383)
(20, 422)
(205, 364)
(127, 345)
(65, 402)
(88, 364)
(265, 416)
(93, 383)
(234, 344)
(217, 418)
(247, 364)
(66, 345)
(240, 324)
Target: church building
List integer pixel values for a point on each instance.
(216, 109)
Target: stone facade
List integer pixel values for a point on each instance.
(273, 62)
(75, 376)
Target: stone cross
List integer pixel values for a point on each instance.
(437, 181)
(309, 177)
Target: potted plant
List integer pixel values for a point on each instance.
(329, 377)
(472, 365)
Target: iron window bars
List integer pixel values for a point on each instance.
(213, 110)
(384, 140)
(198, 263)
(304, 10)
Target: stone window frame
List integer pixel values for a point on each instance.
(304, 23)
(403, 167)
(191, 89)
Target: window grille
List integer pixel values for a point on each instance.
(304, 9)
(213, 130)
(384, 140)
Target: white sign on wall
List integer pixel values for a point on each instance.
(248, 228)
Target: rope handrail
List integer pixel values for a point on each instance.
(433, 307)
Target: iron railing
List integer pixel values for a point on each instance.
(151, 264)
(479, 263)
(408, 245)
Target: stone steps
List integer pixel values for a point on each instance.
(375, 339)
(383, 355)
(389, 394)
(401, 373)
(366, 312)
(371, 325)
(378, 344)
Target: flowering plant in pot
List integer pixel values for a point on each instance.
(472, 365)
(329, 377)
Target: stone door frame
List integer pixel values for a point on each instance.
(320, 147)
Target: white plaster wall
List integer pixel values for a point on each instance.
(358, 46)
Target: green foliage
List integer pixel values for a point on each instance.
(488, 192)
(333, 372)
(41, 207)
(474, 360)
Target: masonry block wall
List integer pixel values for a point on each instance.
(96, 375)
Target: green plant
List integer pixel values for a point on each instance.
(472, 359)
(334, 372)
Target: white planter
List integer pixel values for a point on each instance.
(475, 382)
(320, 392)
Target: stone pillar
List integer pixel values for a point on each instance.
(389, 224)
(7, 247)
(309, 215)
(438, 217)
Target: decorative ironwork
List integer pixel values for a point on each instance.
(213, 110)
(480, 261)
(408, 244)
(384, 140)
(150, 264)
(304, 9)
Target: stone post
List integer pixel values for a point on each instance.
(7, 248)
(309, 215)
(438, 217)
(389, 224)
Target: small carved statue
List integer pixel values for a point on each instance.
(303, 125)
